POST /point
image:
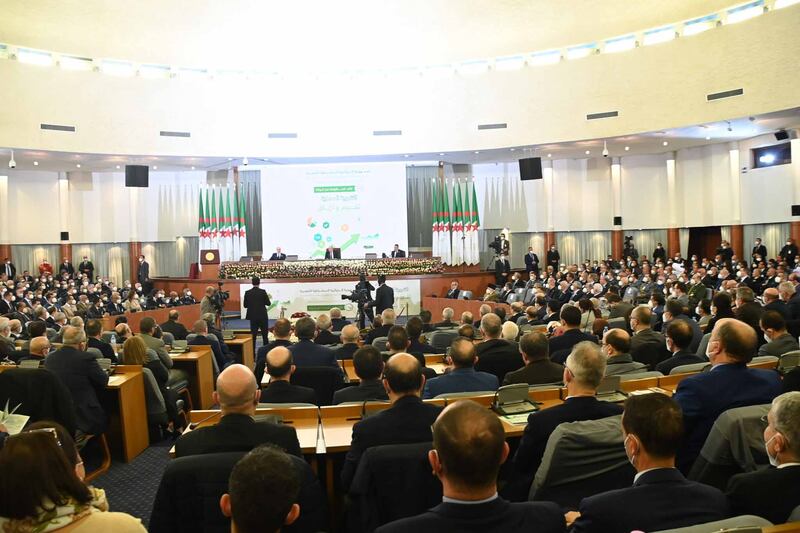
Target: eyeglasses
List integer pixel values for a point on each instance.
(51, 431)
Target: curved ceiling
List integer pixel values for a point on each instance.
(325, 35)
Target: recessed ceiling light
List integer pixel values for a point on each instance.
(117, 167)
(230, 159)
(36, 163)
(627, 148)
(155, 167)
(477, 152)
(588, 152)
(665, 143)
(78, 165)
(512, 149)
(192, 168)
(549, 155)
(441, 153)
(405, 155)
(708, 137)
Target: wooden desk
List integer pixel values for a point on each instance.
(433, 362)
(671, 382)
(243, 345)
(189, 314)
(436, 305)
(197, 363)
(127, 433)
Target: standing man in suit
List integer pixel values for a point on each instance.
(532, 262)
(759, 252)
(407, 421)
(364, 290)
(86, 267)
(84, 378)
(9, 269)
(703, 397)
(256, 301)
(463, 377)
(66, 268)
(772, 493)
(789, 252)
(280, 367)
(143, 275)
(238, 395)
(660, 498)
(502, 268)
(454, 291)
(553, 258)
(384, 296)
(278, 255)
(469, 447)
(397, 252)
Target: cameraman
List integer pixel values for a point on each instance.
(363, 291)
(214, 300)
(629, 250)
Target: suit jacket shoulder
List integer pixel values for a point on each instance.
(770, 493)
(237, 433)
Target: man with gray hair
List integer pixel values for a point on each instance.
(484, 310)
(387, 321)
(447, 319)
(790, 297)
(585, 368)
(496, 355)
(7, 345)
(324, 334)
(201, 338)
(349, 345)
(772, 493)
(237, 395)
(84, 378)
(337, 321)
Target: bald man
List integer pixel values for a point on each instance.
(349, 345)
(38, 349)
(408, 420)
(236, 431)
(617, 346)
(469, 447)
(703, 397)
(280, 367)
(772, 302)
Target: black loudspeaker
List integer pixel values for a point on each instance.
(137, 175)
(530, 169)
(781, 135)
(64, 235)
(617, 221)
(796, 210)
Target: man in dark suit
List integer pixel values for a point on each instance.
(414, 331)
(387, 321)
(790, 297)
(759, 251)
(779, 341)
(538, 368)
(337, 322)
(532, 262)
(570, 321)
(67, 268)
(6, 303)
(237, 395)
(368, 364)
(282, 332)
(256, 301)
(409, 420)
(495, 355)
(384, 296)
(616, 345)
(674, 310)
(94, 329)
(748, 310)
(585, 368)
(447, 319)
(324, 335)
(454, 291)
(278, 255)
(143, 274)
(678, 337)
(349, 345)
(772, 302)
(772, 493)
(553, 258)
(201, 338)
(305, 352)
(469, 447)
(502, 269)
(84, 378)
(333, 253)
(397, 252)
(463, 377)
(115, 307)
(703, 397)
(86, 267)
(172, 325)
(660, 498)
(9, 269)
(280, 367)
(647, 346)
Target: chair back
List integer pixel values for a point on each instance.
(325, 380)
(379, 343)
(641, 375)
(582, 459)
(156, 407)
(685, 369)
(701, 348)
(456, 395)
(106, 336)
(190, 489)
(466, 295)
(789, 361)
(42, 395)
(511, 298)
(168, 338)
(95, 352)
(383, 473)
(104, 363)
(740, 524)
(442, 338)
(616, 323)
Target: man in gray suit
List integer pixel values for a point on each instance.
(647, 346)
(778, 340)
(146, 327)
(616, 346)
(619, 309)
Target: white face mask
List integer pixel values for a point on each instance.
(766, 338)
(772, 460)
(631, 458)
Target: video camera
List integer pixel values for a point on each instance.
(495, 244)
(219, 298)
(358, 296)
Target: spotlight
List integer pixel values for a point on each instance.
(11, 162)
(78, 165)
(155, 168)
(665, 143)
(588, 152)
(627, 148)
(245, 162)
(605, 149)
(36, 163)
(767, 158)
(549, 155)
(708, 137)
(117, 167)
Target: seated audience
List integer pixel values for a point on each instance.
(771, 493)
(350, 336)
(463, 377)
(84, 378)
(510, 331)
(426, 318)
(43, 491)
(467, 331)
(466, 318)
(484, 310)
(496, 356)
(147, 327)
(387, 321)
(94, 330)
(678, 336)
(468, 448)
(262, 492)
(538, 368)
(38, 349)
(409, 420)
(414, 331)
(721, 307)
(647, 346)
(202, 338)
(778, 340)
(237, 395)
(337, 322)
(561, 345)
(703, 397)
(305, 352)
(585, 368)
(660, 498)
(772, 302)
(324, 335)
(674, 310)
(282, 332)
(517, 312)
(447, 319)
(368, 364)
(616, 346)
(280, 367)
(178, 330)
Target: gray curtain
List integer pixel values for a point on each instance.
(110, 259)
(419, 205)
(28, 257)
(250, 181)
(773, 236)
(577, 246)
(519, 247)
(645, 240)
(171, 258)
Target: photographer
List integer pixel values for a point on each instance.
(629, 250)
(363, 293)
(214, 300)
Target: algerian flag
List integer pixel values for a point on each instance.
(242, 224)
(458, 225)
(435, 229)
(234, 207)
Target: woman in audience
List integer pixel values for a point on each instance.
(721, 307)
(132, 304)
(703, 311)
(134, 352)
(42, 490)
(588, 314)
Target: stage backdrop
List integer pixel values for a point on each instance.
(316, 298)
(358, 207)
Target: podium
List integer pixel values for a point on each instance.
(209, 264)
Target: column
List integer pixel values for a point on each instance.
(673, 235)
(795, 224)
(549, 235)
(617, 234)
(134, 250)
(5, 235)
(64, 249)
(737, 242)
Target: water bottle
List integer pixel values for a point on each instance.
(114, 341)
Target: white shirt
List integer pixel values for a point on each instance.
(638, 475)
(445, 499)
(783, 465)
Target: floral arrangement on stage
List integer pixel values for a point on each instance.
(339, 268)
